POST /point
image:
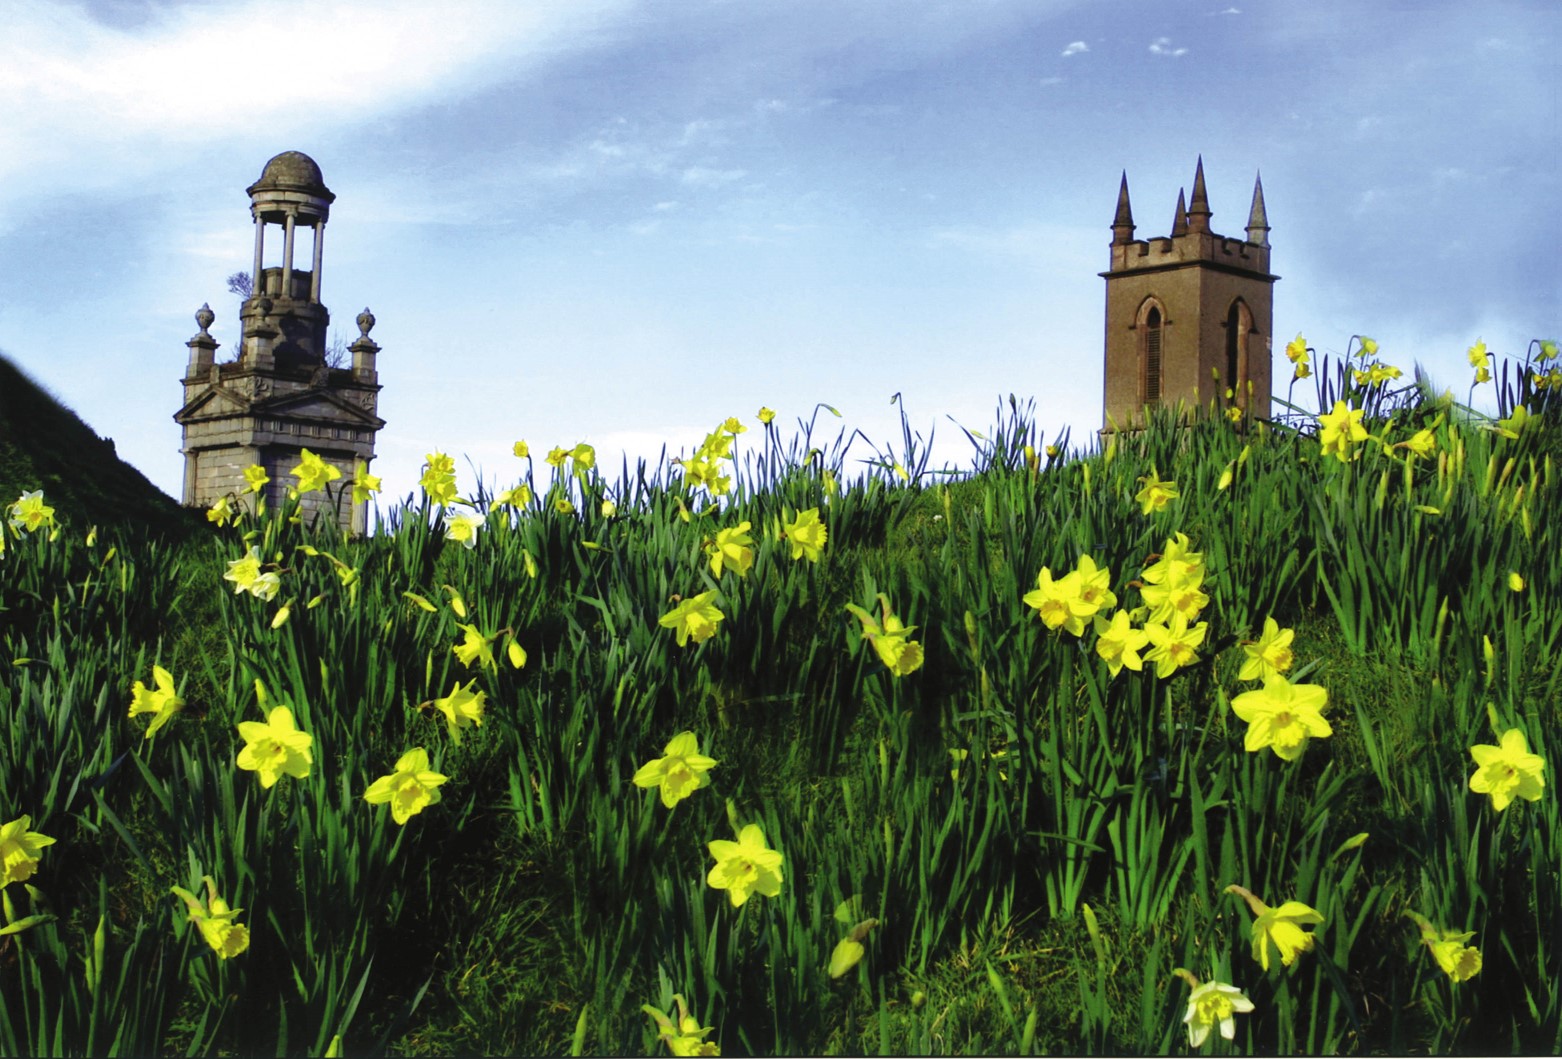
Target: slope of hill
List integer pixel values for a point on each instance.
(44, 445)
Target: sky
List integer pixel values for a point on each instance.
(622, 221)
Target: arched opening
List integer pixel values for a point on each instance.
(1239, 325)
(1152, 342)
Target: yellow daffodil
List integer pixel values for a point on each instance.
(462, 527)
(1422, 443)
(162, 703)
(410, 789)
(733, 549)
(891, 641)
(717, 445)
(1508, 771)
(1168, 599)
(1375, 374)
(1279, 928)
(246, 576)
(1154, 493)
(1174, 645)
(695, 617)
(766, 415)
(1118, 643)
(1095, 590)
(679, 772)
(1212, 1004)
(1478, 355)
(275, 746)
(807, 535)
(1270, 655)
(686, 1037)
(439, 478)
(563, 506)
(1052, 599)
(734, 426)
(255, 478)
(1515, 424)
(1459, 961)
(745, 866)
(517, 496)
(475, 647)
(365, 485)
(1339, 430)
(582, 459)
(221, 512)
(521, 450)
(463, 708)
(215, 920)
(850, 950)
(313, 472)
(705, 472)
(1283, 716)
(557, 456)
(1177, 564)
(1296, 349)
(19, 850)
(30, 513)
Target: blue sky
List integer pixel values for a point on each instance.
(622, 221)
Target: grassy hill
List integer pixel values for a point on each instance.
(44, 445)
(970, 818)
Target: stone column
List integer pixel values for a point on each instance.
(287, 257)
(260, 255)
(314, 277)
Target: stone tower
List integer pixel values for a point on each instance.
(1189, 316)
(279, 395)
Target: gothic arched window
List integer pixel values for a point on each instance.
(1152, 321)
(1239, 325)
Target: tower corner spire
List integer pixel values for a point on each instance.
(1258, 217)
(1123, 221)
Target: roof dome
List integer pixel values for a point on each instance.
(292, 171)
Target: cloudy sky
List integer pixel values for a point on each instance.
(621, 221)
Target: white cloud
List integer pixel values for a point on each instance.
(1163, 46)
(86, 106)
(1075, 48)
(706, 177)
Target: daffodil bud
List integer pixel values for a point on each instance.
(284, 612)
(517, 654)
(420, 601)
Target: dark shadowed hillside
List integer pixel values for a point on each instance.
(44, 445)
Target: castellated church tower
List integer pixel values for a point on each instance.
(279, 395)
(1189, 316)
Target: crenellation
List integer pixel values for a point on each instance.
(1187, 308)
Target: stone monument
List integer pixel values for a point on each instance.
(280, 395)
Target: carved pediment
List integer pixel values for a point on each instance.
(214, 402)
(318, 404)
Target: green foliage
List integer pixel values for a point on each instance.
(1025, 845)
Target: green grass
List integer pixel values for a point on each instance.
(1040, 843)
